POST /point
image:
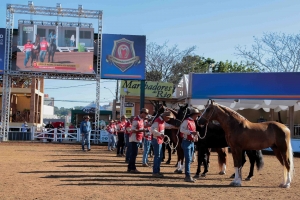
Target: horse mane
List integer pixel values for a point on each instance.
(231, 112)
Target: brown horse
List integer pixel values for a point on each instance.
(36, 51)
(243, 134)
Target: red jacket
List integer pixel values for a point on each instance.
(192, 127)
(139, 135)
(44, 45)
(28, 47)
(161, 126)
(112, 129)
(128, 125)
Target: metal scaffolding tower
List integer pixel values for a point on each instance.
(58, 11)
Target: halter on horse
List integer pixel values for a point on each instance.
(51, 49)
(243, 134)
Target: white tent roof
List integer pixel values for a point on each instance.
(266, 105)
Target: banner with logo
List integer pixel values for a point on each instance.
(2, 49)
(123, 57)
(152, 89)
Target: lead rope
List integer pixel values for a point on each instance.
(168, 142)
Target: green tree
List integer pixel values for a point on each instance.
(189, 64)
(228, 66)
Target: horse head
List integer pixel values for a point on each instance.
(208, 112)
(183, 112)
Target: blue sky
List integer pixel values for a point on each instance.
(216, 27)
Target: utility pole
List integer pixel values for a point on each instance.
(117, 90)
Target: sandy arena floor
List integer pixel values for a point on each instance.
(63, 171)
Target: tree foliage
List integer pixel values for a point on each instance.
(274, 52)
(161, 58)
(199, 64)
(61, 111)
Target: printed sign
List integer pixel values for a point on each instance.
(152, 89)
(123, 57)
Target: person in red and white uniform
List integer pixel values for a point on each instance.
(112, 130)
(127, 135)
(147, 141)
(158, 129)
(121, 132)
(27, 49)
(44, 47)
(188, 132)
(137, 132)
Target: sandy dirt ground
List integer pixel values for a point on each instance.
(62, 171)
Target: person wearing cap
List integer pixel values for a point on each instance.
(85, 130)
(158, 129)
(112, 130)
(188, 133)
(27, 49)
(127, 135)
(43, 49)
(137, 132)
(121, 131)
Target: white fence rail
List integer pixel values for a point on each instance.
(56, 135)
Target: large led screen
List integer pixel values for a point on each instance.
(123, 57)
(55, 49)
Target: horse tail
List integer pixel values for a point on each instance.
(291, 159)
(222, 156)
(259, 160)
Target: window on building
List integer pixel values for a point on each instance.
(85, 34)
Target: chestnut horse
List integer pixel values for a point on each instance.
(243, 134)
(211, 135)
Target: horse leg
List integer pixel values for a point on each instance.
(169, 154)
(208, 156)
(237, 159)
(204, 161)
(200, 154)
(252, 157)
(52, 60)
(286, 161)
(222, 157)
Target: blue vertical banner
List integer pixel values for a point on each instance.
(123, 57)
(2, 49)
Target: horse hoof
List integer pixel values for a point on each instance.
(176, 171)
(235, 184)
(196, 176)
(168, 162)
(285, 185)
(222, 173)
(203, 175)
(248, 179)
(179, 172)
(232, 176)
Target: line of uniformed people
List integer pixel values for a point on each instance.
(137, 128)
